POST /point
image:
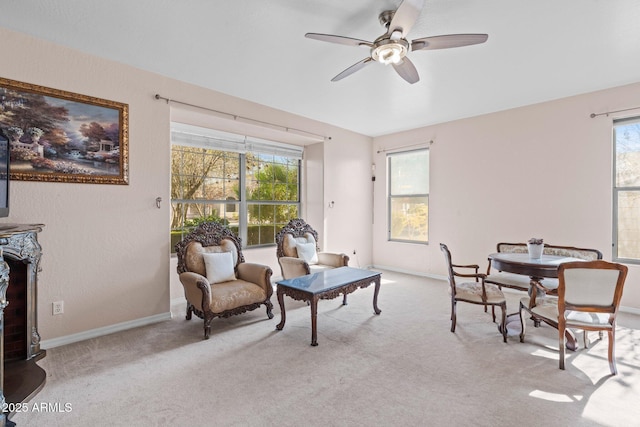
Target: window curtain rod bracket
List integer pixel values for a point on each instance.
(236, 117)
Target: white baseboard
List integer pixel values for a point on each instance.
(630, 310)
(411, 272)
(105, 330)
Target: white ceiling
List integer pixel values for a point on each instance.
(256, 50)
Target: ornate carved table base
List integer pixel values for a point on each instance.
(327, 284)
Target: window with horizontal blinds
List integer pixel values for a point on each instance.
(248, 184)
(194, 136)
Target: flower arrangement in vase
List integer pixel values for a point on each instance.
(535, 247)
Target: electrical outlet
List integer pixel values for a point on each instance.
(58, 307)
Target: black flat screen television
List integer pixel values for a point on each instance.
(4, 176)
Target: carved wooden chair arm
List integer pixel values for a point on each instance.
(476, 275)
(475, 266)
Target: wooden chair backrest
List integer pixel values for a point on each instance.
(297, 228)
(205, 235)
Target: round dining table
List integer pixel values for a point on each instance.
(537, 269)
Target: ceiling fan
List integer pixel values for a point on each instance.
(392, 47)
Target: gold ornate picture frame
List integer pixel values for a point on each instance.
(59, 136)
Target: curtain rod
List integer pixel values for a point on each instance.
(404, 146)
(592, 115)
(236, 117)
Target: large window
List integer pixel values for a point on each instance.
(409, 196)
(626, 190)
(252, 186)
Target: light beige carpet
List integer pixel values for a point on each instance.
(401, 368)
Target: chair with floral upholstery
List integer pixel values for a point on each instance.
(474, 292)
(217, 281)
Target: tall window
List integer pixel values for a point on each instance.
(626, 190)
(409, 196)
(249, 185)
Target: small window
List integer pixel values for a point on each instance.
(408, 200)
(626, 190)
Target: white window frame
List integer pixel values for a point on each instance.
(188, 135)
(620, 189)
(391, 197)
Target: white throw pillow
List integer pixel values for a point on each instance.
(307, 252)
(219, 266)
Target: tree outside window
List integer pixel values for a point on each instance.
(207, 185)
(273, 195)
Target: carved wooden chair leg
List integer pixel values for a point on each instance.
(561, 345)
(189, 311)
(269, 305)
(207, 328)
(503, 322)
(453, 315)
(612, 351)
(344, 299)
(522, 323)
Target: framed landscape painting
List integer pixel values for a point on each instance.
(59, 136)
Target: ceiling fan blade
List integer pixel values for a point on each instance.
(407, 70)
(405, 16)
(448, 41)
(355, 67)
(338, 39)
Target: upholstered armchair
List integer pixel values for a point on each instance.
(298, 253)
(216, 280)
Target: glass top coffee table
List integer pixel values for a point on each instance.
(327, 284)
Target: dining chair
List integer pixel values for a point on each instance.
(474, 292)
(589, 295)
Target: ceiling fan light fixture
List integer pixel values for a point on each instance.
(389, 51)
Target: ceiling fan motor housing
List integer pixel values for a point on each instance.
(389, 51)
